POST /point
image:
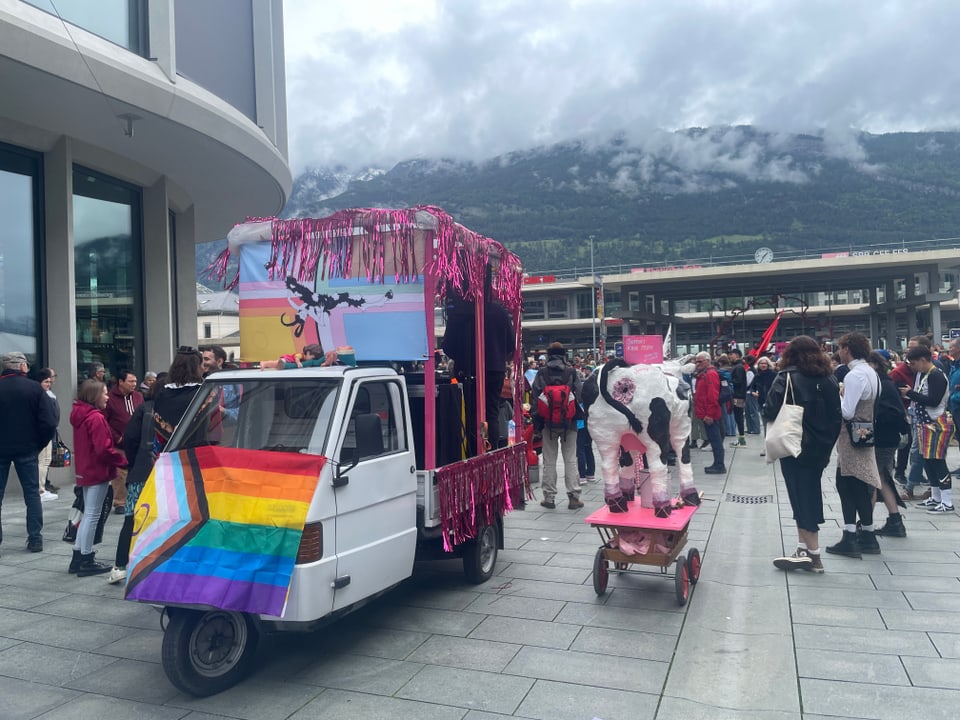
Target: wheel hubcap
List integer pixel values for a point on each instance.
(217, 643)
(488, 549)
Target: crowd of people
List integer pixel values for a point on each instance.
(119, 427)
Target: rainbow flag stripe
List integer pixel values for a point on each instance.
(221, 527)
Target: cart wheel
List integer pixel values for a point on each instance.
(480, 555)
(601, 574)
(207, 652)
(682, 579)
(693, 565)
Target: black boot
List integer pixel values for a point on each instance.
(847, 546)
(89, 566)
(867, 540)
(893, 527)
(74, 562)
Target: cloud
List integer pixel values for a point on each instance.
(371, 83)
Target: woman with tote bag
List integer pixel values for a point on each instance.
(814, 388)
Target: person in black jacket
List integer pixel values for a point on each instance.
(738, 379)
(27, 423)
(890, 426)
(815, 388)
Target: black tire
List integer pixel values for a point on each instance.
(601, 573)
(693, 565)
(207, 652)
(682, 579)
(480, 555)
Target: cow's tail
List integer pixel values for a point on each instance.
(635, 423)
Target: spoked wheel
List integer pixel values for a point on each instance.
(601, 573)
(207, 652)
(693, 565)
(480, 556)
(682, 579)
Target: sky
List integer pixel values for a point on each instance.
(374, 82)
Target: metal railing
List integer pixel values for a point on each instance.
(748, 258)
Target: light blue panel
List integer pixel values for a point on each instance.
(387, 335)
(253, 257)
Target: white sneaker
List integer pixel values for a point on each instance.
(116, 575)
(47, 496)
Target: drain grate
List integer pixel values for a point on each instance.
(749, 499)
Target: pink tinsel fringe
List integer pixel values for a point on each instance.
(307, 248)
(475, 492)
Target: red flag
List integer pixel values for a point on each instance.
(767, 336)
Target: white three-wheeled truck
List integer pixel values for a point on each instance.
(287, 497)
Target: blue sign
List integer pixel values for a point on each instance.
(954, 333)
(618, 349)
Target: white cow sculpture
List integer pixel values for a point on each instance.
(643, 409)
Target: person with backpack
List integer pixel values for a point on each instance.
(556, 392)
(890, 427)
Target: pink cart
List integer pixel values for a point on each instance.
(656, 541)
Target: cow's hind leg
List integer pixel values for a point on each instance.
(658, 429)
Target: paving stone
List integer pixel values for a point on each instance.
(831, 578)
(128, 680)
(527, 632)
(917, 583)
(443, 622)
(667, 623)
(672, 708)
(552, 546)
(576, 576)
(470, 653)
(626, 643)
(432, 597)
(948, 645)
(540, 589)
(70, 634)
(19, 598)
(469, 689)
(98, 707)
(562, 701)
(580, 668)
(250, 700)
(362, 673)
(937, 569)
(639, 593)
(850, 666)
(922, 620)
(849, 597)
(883, 702)
(864, 640)
(119, 611)
(538, 533)
(934, 672)
(739, 609)
(518, 607)
(143, 645)
(825, 615)
(946, 601)
(25, 699)
(527, 557)
(347, 705)
(53, 666)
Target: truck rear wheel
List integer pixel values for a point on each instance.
(207, 652)
(480, 555)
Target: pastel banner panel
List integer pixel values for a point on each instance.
(643, 349)
(220, 527)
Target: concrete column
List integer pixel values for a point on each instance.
(184, 281)
(936, 324)
(163, 49)
(874, 317)
(60, 303)
(910, 282)
(672, 312)
(889, 300)
(159, 321)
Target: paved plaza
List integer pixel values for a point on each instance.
(871, 638)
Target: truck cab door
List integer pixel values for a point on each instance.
(375, 490)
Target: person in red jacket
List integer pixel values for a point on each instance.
(96, 460)
(706, 406)
(122, 400)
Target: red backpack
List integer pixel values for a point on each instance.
(557, 405)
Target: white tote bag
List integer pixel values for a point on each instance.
(785, 433)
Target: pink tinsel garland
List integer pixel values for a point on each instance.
(475, 492)
(307, 248)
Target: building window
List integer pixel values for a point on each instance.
(585, 304)
(123, 22)
(207, 331)
(107, 264)
(533, 310)
(558, 309)
(19, 246)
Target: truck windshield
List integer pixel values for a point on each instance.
(259, 414)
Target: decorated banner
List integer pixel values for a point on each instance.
(643, 349)
(221, 527)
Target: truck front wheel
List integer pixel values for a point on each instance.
(207, 652)
(480, 555)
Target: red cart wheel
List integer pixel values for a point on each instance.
(601, 573)
(693, 565)
(682, 579)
